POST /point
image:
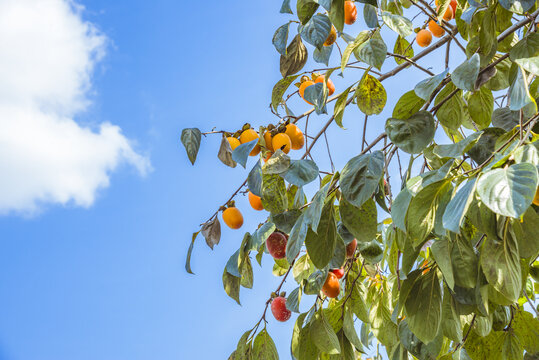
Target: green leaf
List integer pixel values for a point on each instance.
(480, 107)
(357, 304)
(241, 153)
(322, 55)
(451, 113)
(296, 239)
(279, 89)
(451, 325)
(323, 335)
(244, 348)
(264, 347)
(400, 207)
(336, 14)
(458, 207)
(296, 57)
(189, 252)
(361, 222)
(340, 105)
(505, 118)
(350, 330)
(526, 48)
(370, 95)
(278, 163)
(293, 300)
(314, 211)
(315, 281)
(274, 197)
(511, 349)
(408, 105)
(500, 262)
(254, 179)
(191, 141)
(526, 328)
(285, 7)
(360, 177)
(402, 47)
(465, 74)
(247, 277)
(488, 347)
(458, 149)
(421, 215)
(233, 264)
(371, 251)
(424, 309)
(285, 221)
(280, 38)
(306, 9)
(517, 6)
(416, 347)
(486, 145)
(414, 134)
(232, 286)
(441, 251)
(316, 95)
(316, 30)
(487, 35)
(509, 192)
(425, 88)
(321, 244)
(370, 16)
(398, 24)
(380, 319)
(373, 52)
(339, 255)
(525, 232)
(260, 236)
(519, 94)
(351, 47)
(465, 263)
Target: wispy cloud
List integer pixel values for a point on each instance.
(47, 57)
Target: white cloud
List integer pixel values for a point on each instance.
(47, 56)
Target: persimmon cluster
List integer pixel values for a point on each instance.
(424, 36)
(285, 137)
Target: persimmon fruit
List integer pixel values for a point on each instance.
(267, 139)
(350, 12)
(330, 85)
(233, 218)
(279, 310)
(296, 136)
(351, 249)
(536, 199)
(423, 38)
(234, 143)
(283, 142)
(338, 272)
(448, 14)
(436, 29)
(248, 136)
(453, 5)
(332, 37)
(304, 85)
(255, 201)
(276, 244)
(331, 287)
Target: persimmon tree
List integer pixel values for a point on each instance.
(437, 260)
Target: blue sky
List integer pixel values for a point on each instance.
(104, 279)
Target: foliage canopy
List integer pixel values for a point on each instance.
(446, 264)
